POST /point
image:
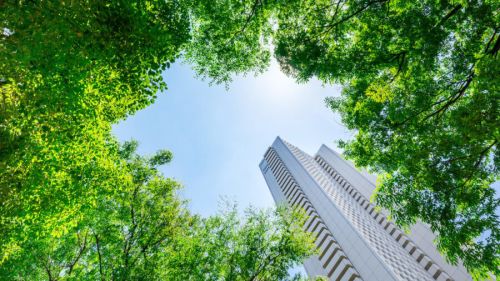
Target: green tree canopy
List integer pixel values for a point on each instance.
(421, 91)
(118, 237)
(264, 246)
(68, 71)
(143, 231)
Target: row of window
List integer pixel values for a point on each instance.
(404, 241)
(335, 263)
(388, 249)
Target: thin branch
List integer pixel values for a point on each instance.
(46, 265)
(449, 15)
(98, 247)
(482, 154)
(270, 258)
(128, 242)
(496, 47)
(401, 61)
(342, 20)
(491, 40)
(455, 97)
(247, 22)
(47, 269)
(413, 116)
(337, 8)
(83, 247)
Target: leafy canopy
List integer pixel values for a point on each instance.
(264, 246)
(119, 238)
(75, 204)
(143, 231)
(68, 71)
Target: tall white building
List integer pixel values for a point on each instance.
(355, 242)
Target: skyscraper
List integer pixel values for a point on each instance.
(355, 241)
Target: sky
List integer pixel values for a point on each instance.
(218, 136)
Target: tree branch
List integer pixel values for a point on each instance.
(128, 241)
(482, 154)
(46, 265)
(268, 261)
(270, 258)
(366, 6)
(47, 269)
(413, 116)
(454, 97)
(98, 248)
(496, 47)
(83, 247)
(248, 20)
(490, 41)
(337, 8)
(401, 60)
(449, 15)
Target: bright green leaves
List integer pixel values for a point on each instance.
(161, 157)
(261, 246)
(76, 205)
(229, 37)
(380, 91)
(142, 231)
(68, 72)
(118, 237)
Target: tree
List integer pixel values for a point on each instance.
(68, 71)
(263, 246)
(421, 91)
(230, 37)
(143, 231)
(119, 238)
(74, 204)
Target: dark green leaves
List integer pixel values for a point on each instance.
(161, 157)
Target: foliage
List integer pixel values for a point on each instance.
(68, 71)
(142, 231)
(74, 204)
(119, 238)
(229, 37)
(421, 90)
(262, 247)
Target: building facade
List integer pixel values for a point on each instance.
(354, 241)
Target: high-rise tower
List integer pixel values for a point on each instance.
(355, 241)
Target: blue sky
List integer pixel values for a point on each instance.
(219, 136)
